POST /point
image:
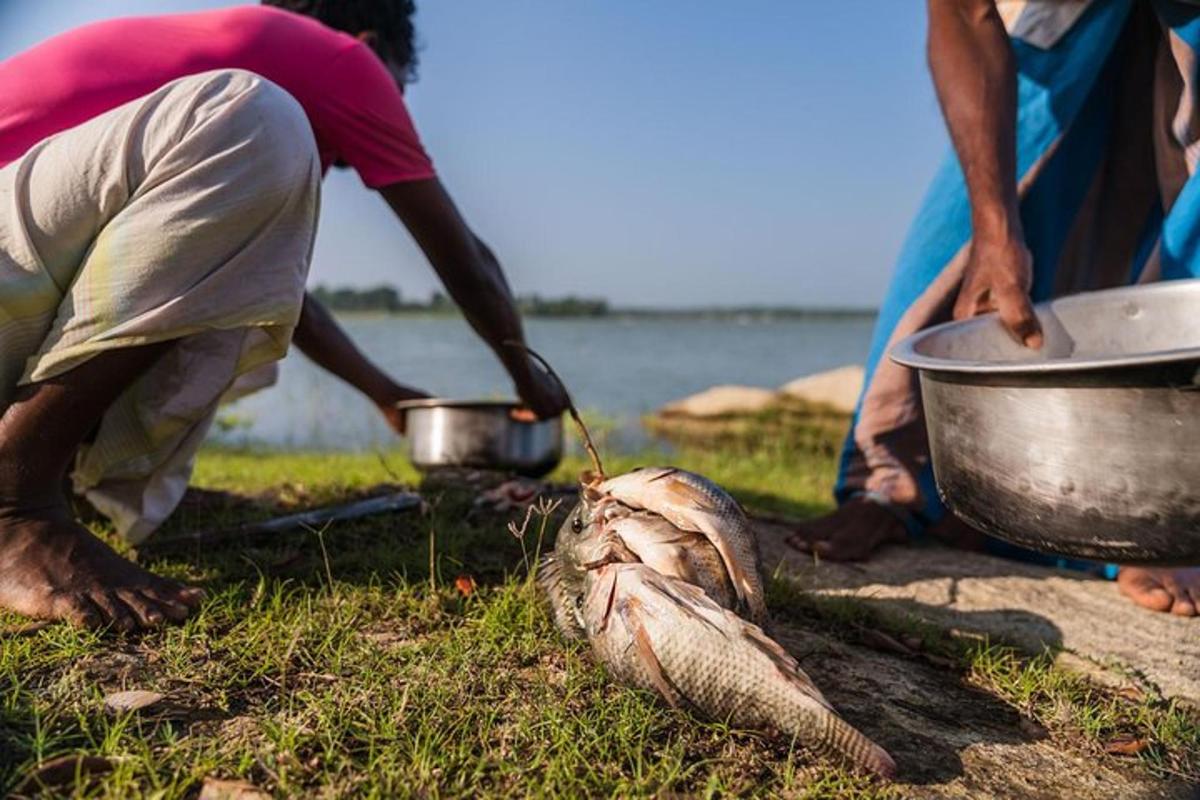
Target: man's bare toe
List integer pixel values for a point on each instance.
(191, 596)
(1149, 596)
(77, 610)
(115, 611)
(839, 549)
(169, 603)
(147, 610)
(54, 568)
(1185, 604)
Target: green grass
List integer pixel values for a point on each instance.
(349, 662)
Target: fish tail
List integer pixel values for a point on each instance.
(843, 740)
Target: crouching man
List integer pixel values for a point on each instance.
(158, 194)
(148, 257)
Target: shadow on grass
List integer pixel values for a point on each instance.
(913, 701)
(450, 536)
(925, 716)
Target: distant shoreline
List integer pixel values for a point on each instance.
(749, 314)
(386, 300)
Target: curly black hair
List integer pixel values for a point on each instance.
(390, 20)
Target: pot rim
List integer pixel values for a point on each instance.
(443, 402)
(906, 354)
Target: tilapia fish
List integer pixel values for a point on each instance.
(668, 636)
(695, 504)
(654, 603)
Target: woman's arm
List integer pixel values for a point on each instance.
(320, 338)
(974, 72)
(473, 278)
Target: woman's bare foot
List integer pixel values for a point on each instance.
(1174, 589)
(852, 533)
(52, 568)
(860, 527)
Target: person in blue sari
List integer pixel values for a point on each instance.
(1076, 131)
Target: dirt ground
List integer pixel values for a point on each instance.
(953, 740)
(1024, 604)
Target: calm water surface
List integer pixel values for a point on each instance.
(621, 368)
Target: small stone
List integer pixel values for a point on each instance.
(216, 789)
(132, 700)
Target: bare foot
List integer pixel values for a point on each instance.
(52, 568)
(859, 528)
(852, 533)
(1174, 589)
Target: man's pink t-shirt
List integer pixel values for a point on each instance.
(355, 107)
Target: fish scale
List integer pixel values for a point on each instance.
(666, 635)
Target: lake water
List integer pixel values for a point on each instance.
(621, 368)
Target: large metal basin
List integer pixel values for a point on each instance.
(1087, 448)
(480, 435)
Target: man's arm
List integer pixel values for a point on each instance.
(473, 278)
(974, 72)
(321, 339)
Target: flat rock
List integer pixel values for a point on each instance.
(951, 740)
(722, 401)
(1025, 605)
(837, 388)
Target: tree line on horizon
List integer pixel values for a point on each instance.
(387, 299)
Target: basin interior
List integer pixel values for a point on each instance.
(1115, 327)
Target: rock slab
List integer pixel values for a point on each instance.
(1029, 606)
(837, 389)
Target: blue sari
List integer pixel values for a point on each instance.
(1108, 139)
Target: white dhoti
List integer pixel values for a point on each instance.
(188, 216)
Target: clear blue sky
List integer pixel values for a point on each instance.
(674, 152)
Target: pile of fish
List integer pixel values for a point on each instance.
(658, 569)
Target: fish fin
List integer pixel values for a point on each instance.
(666, 472)
(785, 663)
(607, 583)
(631, 610)
(686, 493)
(842, 740)
(549, 571)
(690, 599)
(838, 737)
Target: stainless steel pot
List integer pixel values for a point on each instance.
(481, 435)
(1089, 447)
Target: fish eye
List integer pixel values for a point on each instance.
(577, 524)
(579, 602)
